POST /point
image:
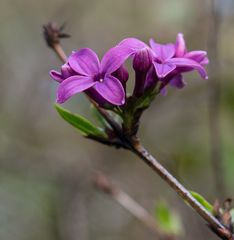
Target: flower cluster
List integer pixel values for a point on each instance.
(156, 65)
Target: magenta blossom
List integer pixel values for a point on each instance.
(90, 73)
(181, 51)
(169, 60)
(105, 81)
(166, 60)
(121, 74)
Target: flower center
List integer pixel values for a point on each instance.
(98, 77)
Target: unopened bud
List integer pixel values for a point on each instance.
(142, 60)
(141, 63)
(122, 74)
(65, 72)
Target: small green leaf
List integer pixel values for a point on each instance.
(82, 124)
(202, 201)
(168, 220)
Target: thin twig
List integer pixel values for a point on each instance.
(178, 187)
(52, 35)
(60, 53)
(128, 203)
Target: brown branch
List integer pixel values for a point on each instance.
(102, 183)
(214, 223)
(60, 53)
(52, 35)
(109, 142)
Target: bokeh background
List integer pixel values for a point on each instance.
(46, 166)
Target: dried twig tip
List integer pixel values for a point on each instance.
(52, 33)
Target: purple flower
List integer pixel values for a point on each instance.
(200, 57)
(181, 51)
(91, 74)
(163, 53)
(169, 60)
(121, 74)
(142, 63)
(105, 81)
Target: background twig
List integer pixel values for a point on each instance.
(105, 185)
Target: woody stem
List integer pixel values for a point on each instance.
(141, 152)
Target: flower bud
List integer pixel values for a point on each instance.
(65, 72)
(122, 75)
(142, 60)
(141, 63)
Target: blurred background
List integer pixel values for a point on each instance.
(46, 166)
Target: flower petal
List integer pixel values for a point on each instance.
(133, 43)
(67, 71)
(114, 58)
(198, 56)
(84, 62)
(112, 90)
(73, 85)
(93, 94)
(177, 81)
(162, 51)
(57, 76)
(185, 62)
(180, 47)
(205, 61)
(163, 69)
